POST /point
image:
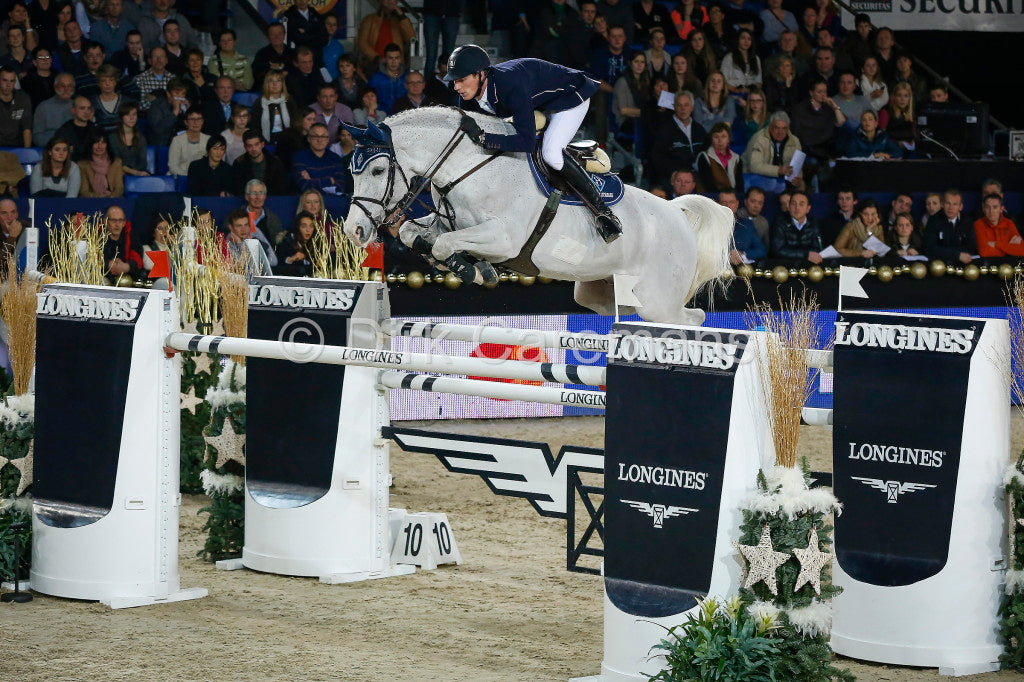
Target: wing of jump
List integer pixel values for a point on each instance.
(873, 482)
(912, 487)
(678, 511)
(642, 506)
(514, 468)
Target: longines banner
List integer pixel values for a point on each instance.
(1006, 16)
(663, 478)
(896, 449)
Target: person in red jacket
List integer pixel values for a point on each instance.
(996, 233)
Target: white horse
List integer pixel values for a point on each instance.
(669, 249)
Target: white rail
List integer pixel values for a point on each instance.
(490, 389)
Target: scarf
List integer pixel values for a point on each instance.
(99, 167)
(266, 121)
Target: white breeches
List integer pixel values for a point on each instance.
(562, 127)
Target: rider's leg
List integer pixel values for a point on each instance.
(560, 131)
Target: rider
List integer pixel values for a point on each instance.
(518, 87)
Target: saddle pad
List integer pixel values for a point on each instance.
(610, 186)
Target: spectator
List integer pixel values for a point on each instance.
(150, 25)
(344, 148)
(11, 226)
(311, 201)
(15, 112)
(70, 53)
(295, 137)
(716, 105)
(753, 204)
(317, 167)
(200, 85)
(829, 18)
(330, 112)
(293, 252)
(824, 70)
(904, 239)
(905, 73)
(687, 16)
(56, 175)
(885, 52)
(769, 156)
(239, 229)
(112, 30)
(152, 79)
(632, 92)
(161, 231)
(54, 34)
(718, 167)
(742, 15)
(648, 17)
(276, 55)
(102, 174)
(988, 186)
(38, 82)
(86, 80)
(334, 49)
(233, 134)
(131, 60)
(815, 122)
(382, 28)
(776, 20)
(17, 18)
(846, 204)
(168, 115)
(753, 118)
(414, 97)
(850, 102)
(217, 111)
(80, 129)
(598, 34)
(866, 224)
(932, 205)
(177, 54)
(350, 83)
(42, 14)
(717, 33)
(265, 220)
(807, 34)
(868, 142)
(659, 61)
(681, 77)
(618, 13)
(188, 146)
(305, 26)
(227, 61)
(679, 141)
(781, 89)
(788, 46)
(938, 93)
(128, 143)
(212, 176)
(558, 35)
(54, 112)
(901, 204)
(122, 260)
(782, 215)
(747, 245)
(304, 81)
(107, 101)
(949, 235)
(798, 235)
(701, 57)
(369, 111)
(683, 181)
(859, 45)
(17, 56)
(389, 80)
(741, 68)
(275, 111)
(897, 119)
(259, 164)
(872, 84)
(996, 234)
(606, 65)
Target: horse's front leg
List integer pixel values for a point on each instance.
(418, 237)
(488, 241)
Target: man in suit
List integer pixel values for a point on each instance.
(799, 236)
(217, 112)
(680, 140)
(950, 235)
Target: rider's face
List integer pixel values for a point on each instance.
(467, 85)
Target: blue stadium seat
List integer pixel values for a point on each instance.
(26, 156)
(134, 184)
(246, 99)
(151, 159)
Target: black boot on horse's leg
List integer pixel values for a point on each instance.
(608, 225)
(480, 273)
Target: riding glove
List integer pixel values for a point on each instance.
(472, 129)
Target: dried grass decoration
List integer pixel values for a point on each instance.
(332, 254)
(786, 377)
(195, 283)
(18, 306)
(76, 249)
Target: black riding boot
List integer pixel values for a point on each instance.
(608, 225)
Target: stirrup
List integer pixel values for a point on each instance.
(608, 226)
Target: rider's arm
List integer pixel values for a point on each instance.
(525, 137)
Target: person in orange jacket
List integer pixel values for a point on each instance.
(996, 233)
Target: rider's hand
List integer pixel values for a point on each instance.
(472, 129)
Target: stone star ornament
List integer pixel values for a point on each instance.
(24, 465)
(764, 561)
(811, 562)
(189, 401)
(228, 444)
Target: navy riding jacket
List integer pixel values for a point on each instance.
(519, 87)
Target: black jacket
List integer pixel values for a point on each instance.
(204, 181)
(214, 121)
(943, 240)
(275, 177)
(309, 32)
(674, 151)
(789, 242)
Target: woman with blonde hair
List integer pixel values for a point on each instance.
(311, 201)
(716, 104)
(753, 117)
(897, 119)
(274, 111)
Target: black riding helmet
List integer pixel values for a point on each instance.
(465, 60)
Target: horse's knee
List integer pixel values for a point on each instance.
(443, 247)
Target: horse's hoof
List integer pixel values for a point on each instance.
(487, 275)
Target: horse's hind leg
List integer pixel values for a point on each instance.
(665, 302)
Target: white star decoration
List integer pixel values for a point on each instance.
(228, 444)
(189, 401)
(811, 562)
(764, 560)
(202, 363)
(24, 465)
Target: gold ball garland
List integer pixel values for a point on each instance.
(885, 274)
(937, 268)
(527, 280)
(919, 270)
(780, 273)
(1006, 271)
(815, 273)
(452, 281)
(415, 280)
(746, 271)
(971, 272)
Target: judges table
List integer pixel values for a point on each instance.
(919, 175)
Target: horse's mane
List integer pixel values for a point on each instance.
(443, 117)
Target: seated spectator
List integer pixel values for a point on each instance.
(904, 239)
(868, 142)
(850, 102)
(788, 46)
(557, 36)
(816, 122)
(782, 215)
(128, 143)
(56, 175)
(777, 20)
(131, 60)
(111, 31)
(350, 83)
(275, 56)
(938, 93)
(996, 234)
(239, 229)
(15, 112)
(152, 80)
(741, 68)
(87, 79)
(898, 120)
(226, 61)
(932, 205)
(293, 252)
(414, 96)
(121, 259)
(632, 92)
(188, 146)
(10, 226)
(872, 84)
(330, 112)
(54, 112)
(659, 61)
(18, 57)
(747, 245)
(80, 129)
(71, 52)
(212, 176)
(102, 173)
(38, 83)
(389, 20)
(718, 167)
(305, 26)
(316, 167)
(797, 235)
(369, 110)
(679, 141)
(296, 137)
(168, 114)
(903, 203)
(751, 119)
(753, 204)
(233, 134)
(950, 236)
(311, 201)
(905, 74)
(867, 223)
(716, 105)
(150, 25)
(177, 53)
(885, 52)
(687, 16)
(275, 111)
(716, 31)
(769, 155)
(606, 65)
(158, 242)
(258, 164)
(217, 109)
(389, 80)
(264, 219)
(824, 69)
(107, 102)
(780, 88)
(860, 44)
(54, 34)
(681, 76)
(344, 148)
(304, 79)
(199, 82)
(846, 205)
(683, 181)
(17, 17)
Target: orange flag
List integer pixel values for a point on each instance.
(374, 258)
(161, 266)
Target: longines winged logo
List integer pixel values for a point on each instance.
(892, 489)
(659, 512)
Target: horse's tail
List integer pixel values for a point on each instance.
(713, 228)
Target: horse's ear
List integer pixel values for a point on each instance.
(356, 132)
(377, 133)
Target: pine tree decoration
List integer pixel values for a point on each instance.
(199, 373)
(223, 475)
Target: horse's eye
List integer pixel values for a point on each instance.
(377, 171)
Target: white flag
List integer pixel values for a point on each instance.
(849, 282)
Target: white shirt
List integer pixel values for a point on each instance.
(685, 127)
